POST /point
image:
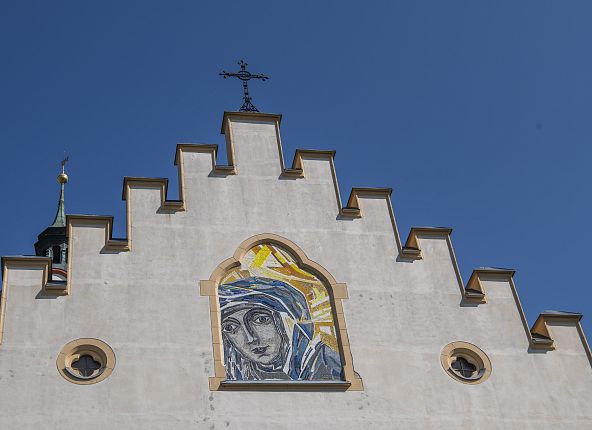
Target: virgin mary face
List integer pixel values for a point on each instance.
(254, 334)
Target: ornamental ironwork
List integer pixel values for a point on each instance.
(245, 76)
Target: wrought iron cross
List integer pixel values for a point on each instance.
(245, 76)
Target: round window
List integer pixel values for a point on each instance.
(465, 362)
(86, 361)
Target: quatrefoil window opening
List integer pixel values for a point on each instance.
(463, 367)
(86, 366)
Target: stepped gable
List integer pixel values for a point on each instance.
(472, 294)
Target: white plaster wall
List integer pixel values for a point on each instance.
(146, 305)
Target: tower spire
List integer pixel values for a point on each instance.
(53, 241)
(60, 218)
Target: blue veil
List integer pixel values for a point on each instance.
(282, 299)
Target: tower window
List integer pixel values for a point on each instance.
(57, 254)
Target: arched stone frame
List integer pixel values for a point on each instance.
(337, 292)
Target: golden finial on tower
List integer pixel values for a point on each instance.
(60, 218)
(62, 177)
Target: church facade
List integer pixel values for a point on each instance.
(258, 300)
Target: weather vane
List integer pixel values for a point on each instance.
(245, 76)
(62, 177)
(65, 160)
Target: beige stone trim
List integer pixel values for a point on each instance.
(411, 248)
(297, 170)
(541, 328)
(249, 116)
(469, 352)
(412, 251)
(226, 130)
(542, 334)
(584, 341)
(475, 294)
(99, 350)
(353, 203)
(3, 298)
(474, 291)
(111, 244)
(475, 281)
(338, 292)
(21, 262)
(285, 386)
(162, 183)
(351, 210)
(25, 262)
(228, 169)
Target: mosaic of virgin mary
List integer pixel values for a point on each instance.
(269, 334)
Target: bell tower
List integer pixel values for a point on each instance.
(53, 241)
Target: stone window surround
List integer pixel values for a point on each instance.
(472, 354)
(97, 349)
(337, 291)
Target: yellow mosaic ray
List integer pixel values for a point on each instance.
(273, 262)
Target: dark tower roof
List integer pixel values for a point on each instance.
(60, 218)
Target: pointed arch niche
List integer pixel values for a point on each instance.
(277, 321)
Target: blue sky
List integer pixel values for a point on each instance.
(476, 113)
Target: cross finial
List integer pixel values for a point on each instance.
(64, 161)
(245, 76)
